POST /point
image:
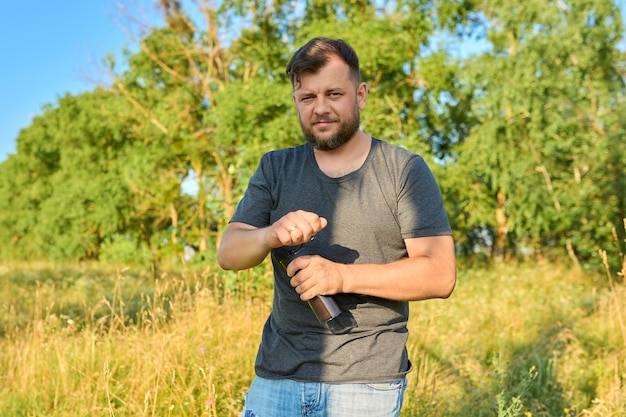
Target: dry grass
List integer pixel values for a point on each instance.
(188, 353)
(520, 340)
(545, 337)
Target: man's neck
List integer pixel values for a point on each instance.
(348, 158)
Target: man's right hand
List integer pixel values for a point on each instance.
(244, 246)
(294, 228)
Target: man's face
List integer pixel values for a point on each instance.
(329, 105)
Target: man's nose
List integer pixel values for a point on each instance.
(321, 106)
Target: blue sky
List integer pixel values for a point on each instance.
(49, 48)
(52, 47)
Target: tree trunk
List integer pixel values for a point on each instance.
(502, 229)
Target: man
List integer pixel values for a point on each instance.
(371, 218)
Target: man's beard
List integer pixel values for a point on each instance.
(346, 132)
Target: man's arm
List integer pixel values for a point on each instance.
(429, 271)
(244, 246)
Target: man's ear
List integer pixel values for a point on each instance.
(361, 95)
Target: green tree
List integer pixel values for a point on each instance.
(541, 157)
(526, 137)
(64, 186)
(179, 82)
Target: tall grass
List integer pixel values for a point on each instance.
(511, 341)
(188, 351)
(544, 339)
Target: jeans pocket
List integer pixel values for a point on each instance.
(387, 386)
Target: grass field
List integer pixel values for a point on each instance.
(511, 341)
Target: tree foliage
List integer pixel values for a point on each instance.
(526, 135)
(542, 151)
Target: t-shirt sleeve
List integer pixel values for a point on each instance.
(256, 205)
(421, 211)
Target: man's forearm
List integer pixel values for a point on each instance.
(428, 272)
(242, 247)
(410, 279)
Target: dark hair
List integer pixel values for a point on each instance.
(316, 53)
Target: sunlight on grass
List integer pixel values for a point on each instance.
(511, 341)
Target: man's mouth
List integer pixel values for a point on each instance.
(322, 123)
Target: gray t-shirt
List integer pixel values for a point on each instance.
(370, 212)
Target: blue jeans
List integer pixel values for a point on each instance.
(287, 398)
